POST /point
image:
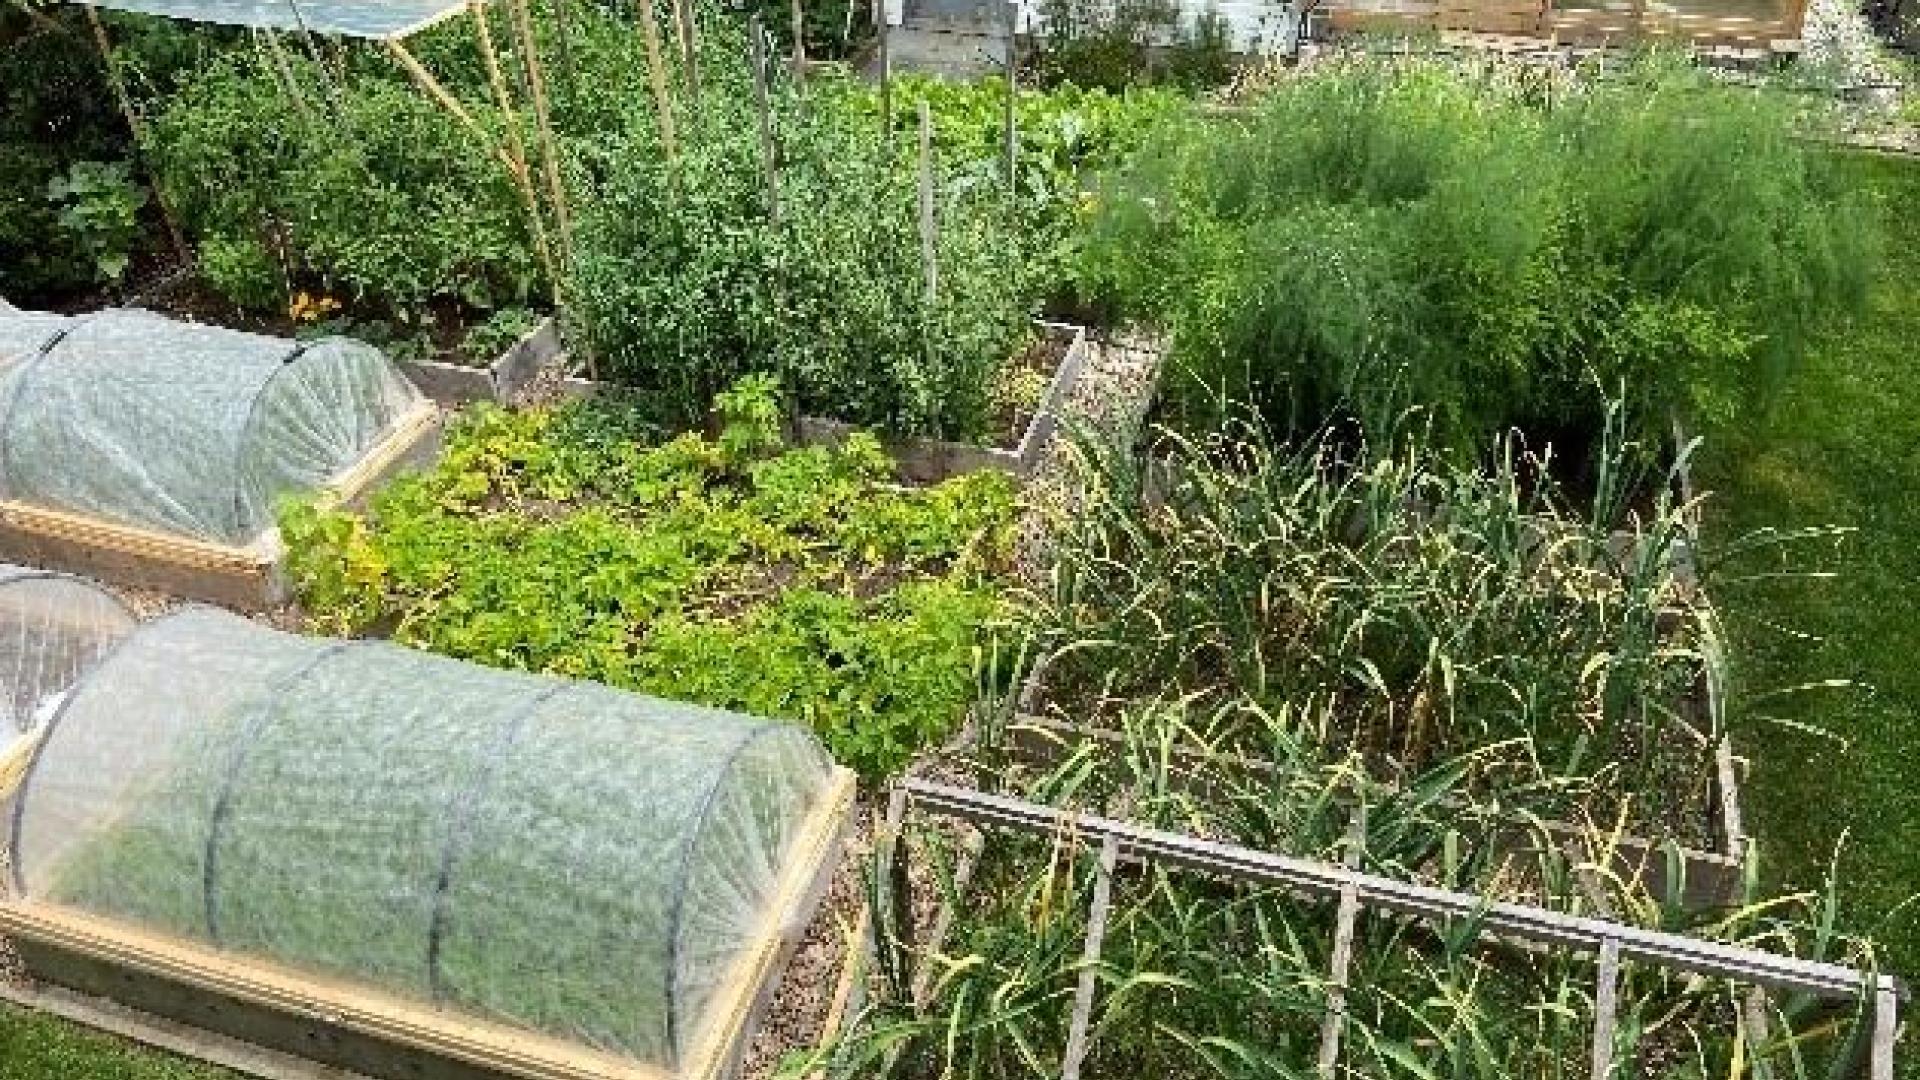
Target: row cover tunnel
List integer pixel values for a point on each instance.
(189, 430)
(557, 855)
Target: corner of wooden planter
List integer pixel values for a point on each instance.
(501, 382)
(930, 461)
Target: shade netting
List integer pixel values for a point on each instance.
(190, 430)
(52, 629)
(577, 860)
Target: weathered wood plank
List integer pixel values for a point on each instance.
(1076, 1052)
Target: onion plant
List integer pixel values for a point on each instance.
(1408, 610)
(1202, 977)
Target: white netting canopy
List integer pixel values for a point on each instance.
(573, 859)
(185, 429)
(52, 629)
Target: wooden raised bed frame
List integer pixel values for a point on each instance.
(502, 381)
(247, 578)
(929, 461)
(342, 1025)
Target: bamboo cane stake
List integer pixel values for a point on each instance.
(121, 97)
(757, 45)
(284, 67)
(516, 150)
(929, 251)
(657, 75)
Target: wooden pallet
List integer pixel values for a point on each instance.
(179, 991)
(246, 578)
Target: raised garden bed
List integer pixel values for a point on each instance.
(504, 380)
(802, 583)
(246, 577)
(1024, 440)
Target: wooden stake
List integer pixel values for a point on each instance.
(1606, 998)
(799, 42)
(657, 75)
(120, 96)
(516, 151)
(1886, 1027)
(1090, 961)
(1333, 1024)
(929, 235)
(757, 46)
(285, 69)
(689, 43)
(886, 72)
(1013, 93)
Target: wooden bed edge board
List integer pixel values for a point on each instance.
(755, 977)
(374, 1014)
(392, 453)
(172, 1036)
(60, 525)
(487, 1044)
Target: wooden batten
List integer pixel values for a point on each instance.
(339, 1024)
(246, 578)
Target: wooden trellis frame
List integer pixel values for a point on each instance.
(1354, 890)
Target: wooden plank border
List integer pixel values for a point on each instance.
(930, 461)
(334, 1022)
(503, 381)
(247, 578)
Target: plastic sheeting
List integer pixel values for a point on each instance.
(52, 629)
(581, 861)
(378, 20)
(186, 429)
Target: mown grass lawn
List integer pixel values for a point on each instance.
(37, 1047)
(1841, 447)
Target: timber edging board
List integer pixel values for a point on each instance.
(502, 381)
(337, 1024)
(245, 578)
(930, 461)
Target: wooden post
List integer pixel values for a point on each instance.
(549, 154)
(1606, 995)
(515, 149)
(799, 42)
(120, 96)
(929, 228)
(689, 43)
(886, 72)
(1886, 1027)
(757, 47)
(657, 75)
(1090, 960)
(1013, 93)
(1333, 1024)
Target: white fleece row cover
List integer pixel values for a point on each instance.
(190, 430)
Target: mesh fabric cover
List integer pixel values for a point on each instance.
(52, 629)
(186, 429)
(581, 861)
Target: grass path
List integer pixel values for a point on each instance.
(1841, 447)
(36, 1047)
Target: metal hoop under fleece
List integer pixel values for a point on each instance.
(16, 861)
(223, 803)
(459, 816)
